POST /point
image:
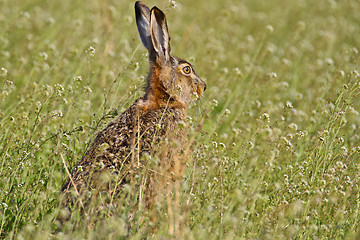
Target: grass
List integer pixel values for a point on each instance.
(278, 153)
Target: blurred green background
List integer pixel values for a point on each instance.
(278, 153)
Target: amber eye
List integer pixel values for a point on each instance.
(186, 70)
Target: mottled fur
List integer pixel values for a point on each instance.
(156, 119)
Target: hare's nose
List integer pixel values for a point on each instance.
(203, 84)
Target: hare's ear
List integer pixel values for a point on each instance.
(160, 35)
(142, 13)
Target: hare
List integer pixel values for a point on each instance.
(155, 118)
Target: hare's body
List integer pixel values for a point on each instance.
(119, 147)
(150, 122)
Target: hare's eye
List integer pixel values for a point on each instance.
(186, 70)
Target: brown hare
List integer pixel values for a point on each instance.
(150, 122)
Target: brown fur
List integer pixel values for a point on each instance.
(119, 146)
(153, 124)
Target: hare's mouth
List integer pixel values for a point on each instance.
(200, 88)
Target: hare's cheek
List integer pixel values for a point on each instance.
(196, 88)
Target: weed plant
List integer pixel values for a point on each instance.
(277, 153)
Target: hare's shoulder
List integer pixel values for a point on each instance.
(118, 130)
(114, 143)
(115, 138)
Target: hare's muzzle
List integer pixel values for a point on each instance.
(201, 87)
(204, 85)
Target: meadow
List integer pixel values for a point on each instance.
(275, 140)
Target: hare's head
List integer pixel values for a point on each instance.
(172, 81)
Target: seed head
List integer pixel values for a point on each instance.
(3, 72)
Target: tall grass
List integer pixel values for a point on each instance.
(277, 155)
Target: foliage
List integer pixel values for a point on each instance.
(277, 153)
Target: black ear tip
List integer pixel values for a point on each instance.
(158, 13)
(156, 10)
(141, 5)
(141, 10)
(137, 6)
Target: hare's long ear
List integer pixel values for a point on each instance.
(142, 13)
(160, 35)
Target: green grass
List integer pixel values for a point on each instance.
(278, 153)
